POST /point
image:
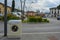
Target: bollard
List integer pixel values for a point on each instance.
(14, 29)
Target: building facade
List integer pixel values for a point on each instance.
(31, 13)
(41, 14)
(55, 12)
(2, 6)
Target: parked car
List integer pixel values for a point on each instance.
(18, 14)
(44, 17)
(58, 18)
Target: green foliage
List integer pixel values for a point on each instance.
(35, 19)
(48, 21)
(25, 21)
(58, 6)
(39, 19)
(1, 18)
(45, 20)
(10, 17)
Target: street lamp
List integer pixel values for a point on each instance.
(5, 18)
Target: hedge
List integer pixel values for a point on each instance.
(10, 17)
(35, 19)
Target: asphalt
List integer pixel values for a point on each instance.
(40, 31)
(53, 26)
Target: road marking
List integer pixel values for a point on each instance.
(43, 33)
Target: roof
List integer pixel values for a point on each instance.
(1, 3)
(4, 5)
(54, 8)
(30, 12)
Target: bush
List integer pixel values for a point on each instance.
(31, 19)
(1, 18)
(10, 17)
(39, 19)
(45, 20)
(25, 21)
(35, 19)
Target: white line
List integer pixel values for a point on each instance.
(43, 33)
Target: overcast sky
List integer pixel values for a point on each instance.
(42, 5)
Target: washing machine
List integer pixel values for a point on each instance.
(14, 29)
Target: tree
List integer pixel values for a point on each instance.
(58, 6)
(22, 8)
(13, 5)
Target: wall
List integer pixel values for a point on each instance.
(54, 11)
(2, 9)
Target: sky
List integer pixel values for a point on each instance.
(33, 5)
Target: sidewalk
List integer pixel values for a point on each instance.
(6, 38)
(40, 36)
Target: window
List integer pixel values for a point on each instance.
(55, 10)
(52, 11)
(58, 11)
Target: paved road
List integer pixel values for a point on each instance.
(41, 31)
(53, 26)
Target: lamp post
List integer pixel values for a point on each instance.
(5, 18)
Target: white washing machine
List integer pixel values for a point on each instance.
(14, 29)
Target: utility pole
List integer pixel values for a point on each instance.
(5, 19)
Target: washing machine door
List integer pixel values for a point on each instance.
(14, 28)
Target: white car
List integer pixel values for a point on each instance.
(18, 14)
